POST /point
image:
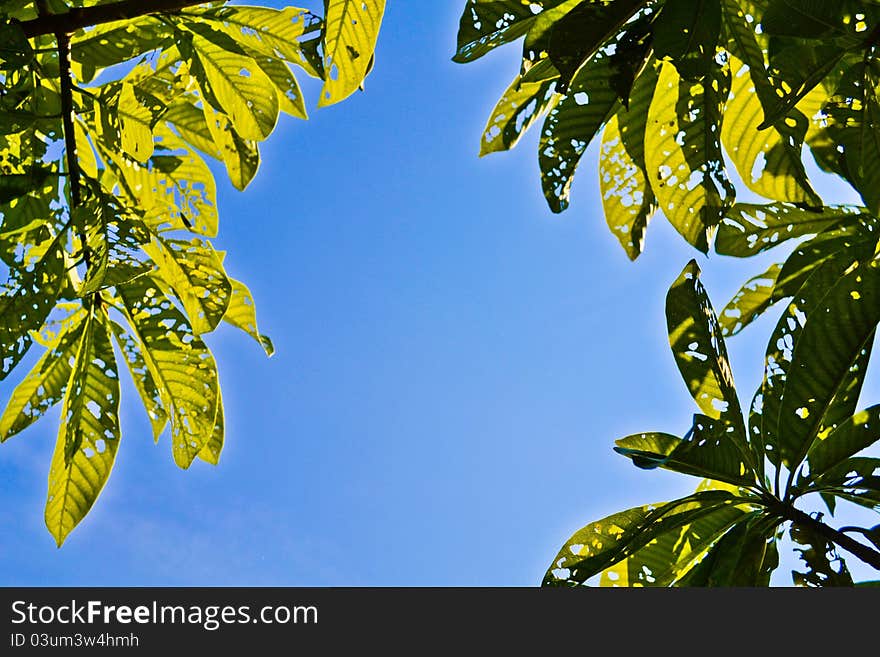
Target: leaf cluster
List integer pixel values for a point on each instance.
(108, 207)
(679, 93)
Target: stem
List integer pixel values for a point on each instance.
(79, 17)
(869, 555)
(67, 119)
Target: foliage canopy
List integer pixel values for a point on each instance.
(107, 112)
(681, 93)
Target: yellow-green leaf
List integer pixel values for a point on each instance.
(181, 365)
(242, 313)
(683, 152)
(244, 92)
(44, 385)
(195, 272)
(350, 31)
(89, 434)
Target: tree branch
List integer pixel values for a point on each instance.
(80, 17)
(65, 84)
(862, 551)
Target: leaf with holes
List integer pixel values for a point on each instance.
(709, 450)
(242, 314)
(748, 229)
(768, 161)
(627, 197)
(526, 100)
(603, 543)
(571, 125)
(350, 31)
(700, 352)
(26, 299)
(683, 152)
(195, 272)
(142, 378)
(240, 87)
(266, 31)
(669, 558)
(44, 385)
(486, 25)
(835, 332)
(89, 434)
(182, 367)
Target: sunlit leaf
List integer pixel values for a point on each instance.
(523, 104)
(350, 31)
(44, 385)
(242, 314)
(182, 367)
(835, 333)
(606, 542)
(748, 229)
(89, 434)
(627, 197)
(683, 152)
(142, 378)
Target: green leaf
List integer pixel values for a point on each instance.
(606, 542)
(778, 357)
(627, 197)
(44, 385)
(142, 378)
(856, 480)
(520, 107)
(700, 352)
(748, 228)
(113, 244)
(14, 185)
(670, 555)
(124, 118)
(687, 33)
(834, 335)
(571, 125)
(573, 32)
(768, 161)
(815, 19)
(175, 190)
(780, 281)
(485, 25)
(852, 120)
(181, 365)
(195, 271)
(242, 314)
(710, 451)
(797, 70)
(27, 299)
(266, 31)
(243, 91)
(15, 51)
(852, 436)
(240, 155)
(113, 43)
(752, 299)
(211, 451)
(350, 31)
(290, 96)
(745, 556)
(683, 149)
(89, 434)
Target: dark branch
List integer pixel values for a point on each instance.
(65, 84)
(862, 551)
(80, 17)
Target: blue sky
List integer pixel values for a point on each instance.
(453, 361)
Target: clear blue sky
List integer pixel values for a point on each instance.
(453, 361)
